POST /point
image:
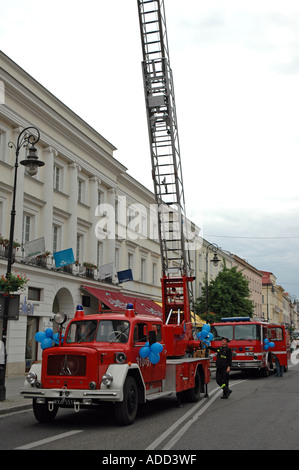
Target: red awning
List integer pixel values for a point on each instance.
(113, 300)
(119, 302)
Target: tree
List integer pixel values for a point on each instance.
(228, 296)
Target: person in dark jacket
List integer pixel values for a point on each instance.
(223, 365)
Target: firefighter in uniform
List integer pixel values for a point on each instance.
(223, 365)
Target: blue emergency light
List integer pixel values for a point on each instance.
(234, 319)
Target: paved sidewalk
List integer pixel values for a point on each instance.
(14, 401)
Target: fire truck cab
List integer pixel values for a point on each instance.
(247, 341)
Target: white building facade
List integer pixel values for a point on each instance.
(83, 199)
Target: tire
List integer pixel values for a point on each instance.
(42, 412)
(265, 371)
(193, 394)
(125, 411)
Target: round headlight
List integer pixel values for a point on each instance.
(107, 379)
(31, 378)
(60, 318)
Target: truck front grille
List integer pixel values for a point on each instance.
(66, 364)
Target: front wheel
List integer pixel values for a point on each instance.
(42, 412)
(125, 411)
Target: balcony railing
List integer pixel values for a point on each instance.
(49, 263)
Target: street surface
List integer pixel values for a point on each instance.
(261, 413)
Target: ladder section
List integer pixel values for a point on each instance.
(164, 139)
(174, 292)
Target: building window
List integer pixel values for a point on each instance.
(80, 184)
(81, 191)
(143, 270)
(26, 228)
(57, 178)
(130, 260)
(56, 238)
(143, 228)
(99, 254)
(200, 262)
(154, 274)
(34, 293)
(79, 245)
(117, 259)
(131, 216)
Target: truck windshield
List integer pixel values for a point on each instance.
(82, 331)
(106, 331)
(222, 331)
(247, 332)
(113, 331)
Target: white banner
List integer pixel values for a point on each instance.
(34, 247)
(107, 270)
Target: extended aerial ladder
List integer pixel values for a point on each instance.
(177, 289)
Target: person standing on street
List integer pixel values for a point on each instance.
(223, 365)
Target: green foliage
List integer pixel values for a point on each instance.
(228, 296)
(12, 283)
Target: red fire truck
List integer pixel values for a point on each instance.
(123, 358)
(247, 341)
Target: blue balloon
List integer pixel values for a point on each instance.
(207, 327)
(144, 352)
(156, 348)
(49, 332)
(147, 344)
(210, 337)
(204, 333)
(266, 347)
(154, 358)
(271, 345)
(266, 341)
(55, 338)
(46, 343)
(40, 336)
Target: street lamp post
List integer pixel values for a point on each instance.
(214, 248)
(27, 138)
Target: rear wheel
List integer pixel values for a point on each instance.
(193, 394)
(126, 410)
(42, 413)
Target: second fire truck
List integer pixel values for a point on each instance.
(249, 341)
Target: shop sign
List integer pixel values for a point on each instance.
(26, 308)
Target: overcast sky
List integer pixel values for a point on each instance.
(236, 77)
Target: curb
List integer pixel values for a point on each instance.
(14, 408)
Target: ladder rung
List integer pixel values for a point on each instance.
(149, 12)
(155, 52)
(151, 42)
(152, 32)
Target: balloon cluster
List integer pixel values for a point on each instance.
(152, 352)
(268, 344)
(47, 338)
(205, 335)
